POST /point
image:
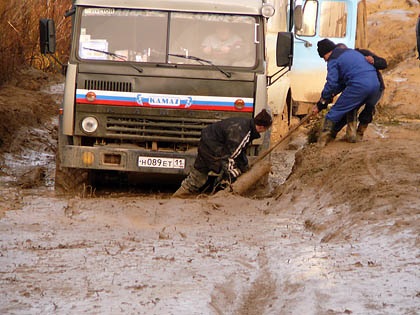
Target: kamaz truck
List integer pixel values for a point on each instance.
(141, 84)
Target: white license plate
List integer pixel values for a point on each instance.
(147, 161)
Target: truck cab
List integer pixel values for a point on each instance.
(145, 77)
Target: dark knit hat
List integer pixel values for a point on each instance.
(263, 119)
(325, 46)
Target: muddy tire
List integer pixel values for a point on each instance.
(281, 123)
(71, 180)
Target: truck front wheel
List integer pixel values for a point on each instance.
(72, 180)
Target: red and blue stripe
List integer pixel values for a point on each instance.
(192, 102)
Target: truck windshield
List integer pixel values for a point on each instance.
(161, 37)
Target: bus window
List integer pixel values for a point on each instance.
(309, 19)
(333, 19)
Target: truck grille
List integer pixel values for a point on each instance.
(108, 85)
(165, 129)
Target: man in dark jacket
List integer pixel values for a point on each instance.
(418, 36)
(350, 74)
(366, 115)
(222, 150)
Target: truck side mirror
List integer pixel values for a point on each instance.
(284, 51)
(298, 17)
(47, 40)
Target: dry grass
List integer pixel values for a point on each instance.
(19, 36)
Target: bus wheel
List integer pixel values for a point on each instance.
(280, 125)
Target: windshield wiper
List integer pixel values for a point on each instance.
(201, 60)
(121, 57)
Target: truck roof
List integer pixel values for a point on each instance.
(251, 7)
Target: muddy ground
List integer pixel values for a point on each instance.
(335, 232)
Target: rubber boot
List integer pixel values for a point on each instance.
(191, 185)
(360, 132)
(326, 133)
(351, 126)
(182, 193)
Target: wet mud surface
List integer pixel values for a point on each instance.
(336, 231)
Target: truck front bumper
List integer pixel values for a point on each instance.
(127, 159)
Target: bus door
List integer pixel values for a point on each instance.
(318, 19)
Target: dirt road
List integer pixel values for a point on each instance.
(339, 237)
(338, 234)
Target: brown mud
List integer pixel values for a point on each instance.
(337, 231)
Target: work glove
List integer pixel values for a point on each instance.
(322, 104)
(244, 168)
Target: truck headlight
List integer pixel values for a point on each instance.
(89, 124)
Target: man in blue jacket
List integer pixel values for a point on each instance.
(418, 36)
(366, 115)
(348, 72)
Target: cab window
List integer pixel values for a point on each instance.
(333, 19)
